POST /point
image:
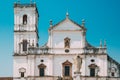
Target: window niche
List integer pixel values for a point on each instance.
(112, 74)
(67, 42)
(92, 72)
(24, 45)
(24, 19)
(113, 71)
(67, 69)
(94, 69)
(22, 72)
(41, 70)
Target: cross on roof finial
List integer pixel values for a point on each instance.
(67, 14)
(83, 22)
(100, 43)
(105, 44)
(51, 23)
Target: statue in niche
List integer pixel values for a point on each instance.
(77, 63)
(67, 43)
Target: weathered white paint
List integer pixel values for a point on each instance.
(57, 55)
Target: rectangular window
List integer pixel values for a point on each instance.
(113, 74)
(92, 72)
(24, 45)
(22, 74)
(41, 71)
(67, 70)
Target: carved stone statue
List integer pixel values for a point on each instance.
(77, 63)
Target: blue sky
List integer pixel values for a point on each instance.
(102, 23)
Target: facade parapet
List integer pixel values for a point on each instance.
(42, 50)
(25, 28)
(24, 5)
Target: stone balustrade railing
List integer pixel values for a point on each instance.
(47, 50)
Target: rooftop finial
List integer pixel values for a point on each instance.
(51, 23)
(105, 44)
(100, 43)
(67, 14)
(83, 22)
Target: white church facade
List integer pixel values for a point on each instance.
(56, 59)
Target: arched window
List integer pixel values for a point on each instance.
(67, 42)
(24, 45)
(113, 71)
(24, 19)
(22, 72)
(41, 70)
(112, 74)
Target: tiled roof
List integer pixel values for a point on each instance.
(6, 78)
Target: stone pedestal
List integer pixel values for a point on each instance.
(77, 76)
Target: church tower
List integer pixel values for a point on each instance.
(25, 27)
(25, 37)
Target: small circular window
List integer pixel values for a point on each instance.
(92, 60)
(42, 60)
(66, 50)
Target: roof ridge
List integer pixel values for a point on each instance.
(63, 21)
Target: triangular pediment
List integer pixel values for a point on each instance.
(41, 66)
(67, 63)
(92, 66)
(66, 24)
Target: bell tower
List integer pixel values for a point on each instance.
(25, 27)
